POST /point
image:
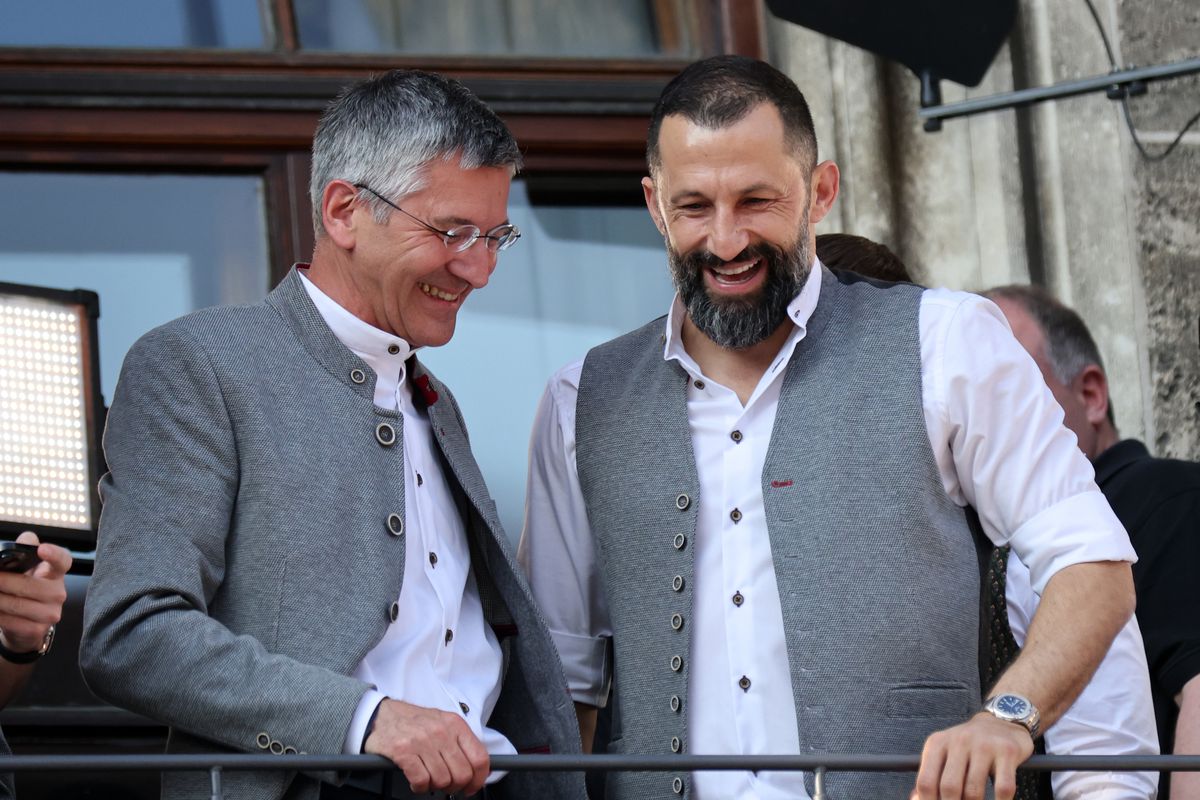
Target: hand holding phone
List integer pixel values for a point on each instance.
(18, 557)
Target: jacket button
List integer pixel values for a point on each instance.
(263, 740)
(277, 747)
(738, 599)
(676, 663)
(676, 745)
(682, 502)
(676, 621)
(677, 583)
(385, 434)
(289, 751)
(679, 541)
(358, 376)
(677, 786)
(736, 436)
(744, 683)
(675, 704)
(736, 516)
(394, 612)
(395, 524)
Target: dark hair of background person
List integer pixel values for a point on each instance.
(1069, 344)
(720, 91)
(863, 256)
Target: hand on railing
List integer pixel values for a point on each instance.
(436, 750)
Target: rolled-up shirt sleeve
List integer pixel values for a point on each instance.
(556, 550)
(1000, 443)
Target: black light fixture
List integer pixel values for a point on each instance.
(51, 414)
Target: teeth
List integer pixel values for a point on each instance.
(730, 271)
(433, 291)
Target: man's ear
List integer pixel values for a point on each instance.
(652, 205)
(338, 202)
(823, 190)
(1091, 387)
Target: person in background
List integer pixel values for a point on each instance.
(31, 605)
(1156, 499)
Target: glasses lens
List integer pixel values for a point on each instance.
(462, 237)
(505, 237)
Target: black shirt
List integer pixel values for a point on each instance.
(1158, 502)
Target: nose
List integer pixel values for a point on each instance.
(474, 265)
(726, 238)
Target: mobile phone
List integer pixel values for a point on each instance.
(15, 557)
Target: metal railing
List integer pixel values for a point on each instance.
(819, 765)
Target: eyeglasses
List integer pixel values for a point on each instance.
(461, 237)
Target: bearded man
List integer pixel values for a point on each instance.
(756, 510)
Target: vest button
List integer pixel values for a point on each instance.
(394, 611)
(744, 683)
(736, 436)
(682, 502)
(738, 599)
(385, 434)
(358, 376)
(395, 524)
(677, 786)
(676, 745)
(676, 663)
(680, 541)
(677, 583)
(736, 516)
(676, 621)
(675, 703)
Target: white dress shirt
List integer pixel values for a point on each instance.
(999, 443)
(439, 652)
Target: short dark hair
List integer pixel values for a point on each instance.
(859, 254)
(1069, 344)
(722, 90)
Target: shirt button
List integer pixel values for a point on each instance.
(699, 384)
(680, 541)
(358, 376)
(395, 524)
(420, 480)
(394, 611)
(736, 436)
(675, 704)
(432, 559)
(736, 516)
(393, 348)
(449, 636)
(677, 583)
(676, 745)
(466, 709)
(744, 683)
(676, 663)
(676, 621)
(682, 502)
(385, 434)
(738, 599)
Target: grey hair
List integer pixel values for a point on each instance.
(385, 131)
(1069, 344)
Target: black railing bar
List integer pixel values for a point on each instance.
(570, 763)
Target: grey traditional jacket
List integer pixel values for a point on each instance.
(876, 567)
(246, 561)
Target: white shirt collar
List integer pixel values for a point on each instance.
(800, 310)
(369, 343)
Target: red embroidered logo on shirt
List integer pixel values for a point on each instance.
(780, 484)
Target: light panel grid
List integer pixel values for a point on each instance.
(44, 466)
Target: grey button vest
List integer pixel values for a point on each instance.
(876, 567)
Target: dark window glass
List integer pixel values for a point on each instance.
(225, 24)
(554, 28)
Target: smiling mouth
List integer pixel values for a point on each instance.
(733, 274)
(435, 292)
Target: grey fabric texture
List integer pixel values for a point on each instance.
(876, 567)
(245, 566)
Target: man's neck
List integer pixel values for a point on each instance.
(740, 370)
(1106, 437)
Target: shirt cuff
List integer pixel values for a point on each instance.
(1079, 529)
(356, 735)
(585, 663)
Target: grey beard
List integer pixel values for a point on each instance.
(737, 324)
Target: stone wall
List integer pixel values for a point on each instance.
(1055, 194)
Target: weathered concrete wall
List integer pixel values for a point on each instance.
(1055, 194)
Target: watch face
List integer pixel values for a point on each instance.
(1011, 705)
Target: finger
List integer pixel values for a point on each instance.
(23, 610)
(975, 786)
(55, 561)
(954, 772)
(37, 600)
(479, 760)
(414, 772)
(933, 756)
(1005, 773)
(439, 773)
(27, 537)
(461, 774)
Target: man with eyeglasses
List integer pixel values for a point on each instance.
(297, 551)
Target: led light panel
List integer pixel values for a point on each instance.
(48, 467)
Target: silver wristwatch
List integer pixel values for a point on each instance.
(1015, 708)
